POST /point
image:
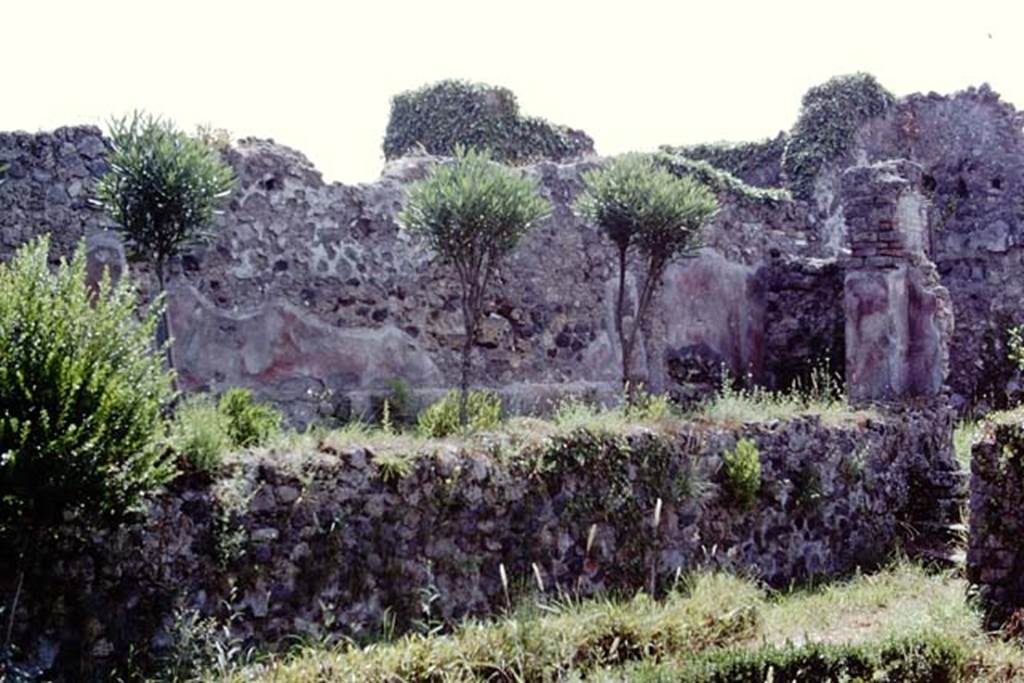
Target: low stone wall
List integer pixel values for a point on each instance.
(336, 539)
(995, 554)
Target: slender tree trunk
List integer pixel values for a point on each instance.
(163, 329)
(471, 301)
(620, 313)
(467, 366)
(652, 280)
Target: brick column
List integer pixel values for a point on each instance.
(899, 317)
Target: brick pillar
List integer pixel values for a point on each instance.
(899, 317)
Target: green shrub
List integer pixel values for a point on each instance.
(441, 419)
(81, 394)
(200, 433)
(647, 407)
(441, 116)
(203, 431)
(830, 115)
(741, 470)
(248, 423)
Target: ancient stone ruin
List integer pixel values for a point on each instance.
(900, 269)
(312, 296)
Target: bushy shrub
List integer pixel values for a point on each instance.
(741, 472)
(200, 433)
(441, 419)
(648, 407)
(830, 115)
(81, 393)
(248, 423)
(441, 116)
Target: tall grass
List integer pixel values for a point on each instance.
(903, 620)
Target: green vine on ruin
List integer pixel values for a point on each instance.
(830, 115)
(438, 117)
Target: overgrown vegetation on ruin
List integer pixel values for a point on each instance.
(441, 116)
(738, 159)
(830, 115)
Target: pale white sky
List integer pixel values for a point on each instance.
(318, 76)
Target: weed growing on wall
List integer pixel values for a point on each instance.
(741, 473)
(441, 419)
(721, 181)
(203, 431)
(249, 423)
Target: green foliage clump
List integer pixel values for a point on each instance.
(441, 116)
(203, 431)
(163, 186)
(81, 394)
(830, 115)
(472, 212)
(640, 204)
(721, 181)
(248, 423)
(741, 472)
(162, 190)
(441, 419)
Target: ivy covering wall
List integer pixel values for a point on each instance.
(720, 181)
(439, 116)
(756, 163)
(830, 115)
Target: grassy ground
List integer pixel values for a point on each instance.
(902, 623)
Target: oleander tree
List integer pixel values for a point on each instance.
(163, 190)
(472, 212)
(643, 208)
